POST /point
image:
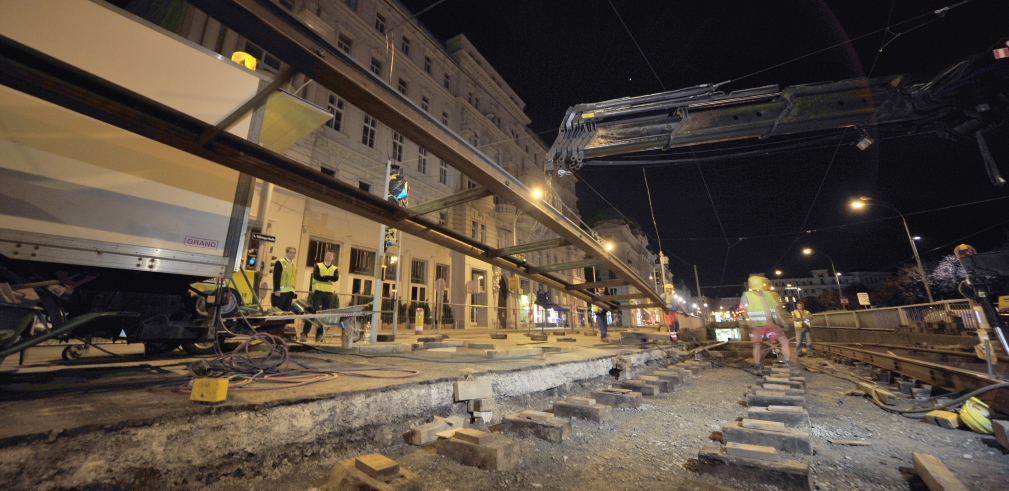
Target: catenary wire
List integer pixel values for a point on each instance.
(657, 79)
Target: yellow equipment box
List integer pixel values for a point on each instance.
(209, 390)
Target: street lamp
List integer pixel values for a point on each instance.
(608, 246)
(777, 272)
(864, 201)
(809, 252)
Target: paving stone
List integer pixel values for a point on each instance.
(755, 400)
(498, 336)
(347, 477)
(637, 385)
(514, 352)
(786, 439)
(551, 429)
(662, 384)
(425, 433)
(936, 476)
(444, 344)
(1001, 429)
(617, 397)
(472, 389)
(499, 453)
(788, 475)
(596, 412)
(377, 465)
(481, 345)
(945, 419)
(758, 452)
(789, 417)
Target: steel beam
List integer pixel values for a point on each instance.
(442, 203)
(279, 32)
(629, 296)
(533, 246)
(950, 378)
(584, 263)
(47, 78)
(592, 285)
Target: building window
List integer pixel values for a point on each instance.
(317, 250)
(444, 118)
(476, 103)
(447, 81)
(483, 234)
(443, 172)
(389, 267)
(418, 293)
(427, 64)
(425, 104)
(474, 229)
(272, 63)
(363, 186)
(443, 218)
(335, 107)
(351, 3)
(329, 172)
(368, 135)
(418, 272)
(361, 291)
(361, 262)
(404, 46)
(422, 160)
(344, 43)
(402, 86)
(397, 147)
(441, 273)
(376, 67)
(379, 22)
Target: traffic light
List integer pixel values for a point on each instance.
(250, 259)
(390, 237)
(398, 187)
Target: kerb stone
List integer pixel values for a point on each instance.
(596, 412)
(553, 430)
(347, 477)
(789, 475)
(787, 439)
(499, 453)
(472, 389)
(617, 397)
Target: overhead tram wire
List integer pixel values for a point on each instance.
(637, 46)
(648, 190)
(882, 42)
(728, 247)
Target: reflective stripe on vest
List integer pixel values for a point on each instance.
(287, 274)
(324, 286)
(757, 309)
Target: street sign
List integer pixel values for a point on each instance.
(263, 237)
(863, 298)
(844, 301)
(513, 284)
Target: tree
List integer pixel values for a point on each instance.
(829, 300)
(811, 305)
(945, 277)
(889, 294)
(911, 286)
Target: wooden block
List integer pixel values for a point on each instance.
(472, 389)
(1001, 429)
(759, 452)
(588, 401)
(936, 476)
(789, 475)
(426, 433)
(377, 465)
(786, 409)
(452, 421)
(480, 345)
(536, 415)
(776, 387)
(472, 435)
(886, 396)
(763, 425)
(449, 433)
(553, 430)
(854, 443)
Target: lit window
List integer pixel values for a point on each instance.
(368, 137)
(422, 160)
(335, 107)
(397, 147)
(380, 22)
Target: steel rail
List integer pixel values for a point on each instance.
(37, 74)
(284, 36)
(950, 378)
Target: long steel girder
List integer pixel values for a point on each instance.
(47, 78)
(277, 31)
(950, 378)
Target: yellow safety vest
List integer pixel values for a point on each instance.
(324, 286)
(760, 309)
(287, 275)
(799, 316)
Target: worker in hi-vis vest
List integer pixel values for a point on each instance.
(766, 317)
(672, 317)
(802, 320)
(283, 280)
(323, 292)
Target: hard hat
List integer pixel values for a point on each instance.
(669, 285)
(756, 282)
(974, 414)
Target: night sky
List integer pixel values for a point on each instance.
(555, 54)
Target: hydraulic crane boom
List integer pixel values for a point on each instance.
(964, 99)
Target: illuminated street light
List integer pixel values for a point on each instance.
(865, 201)
(608, 246)
(537, 193)
(809, 252)
(777, 272)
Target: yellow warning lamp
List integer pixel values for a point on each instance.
(244, 59)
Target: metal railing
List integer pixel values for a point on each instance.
(943, 317)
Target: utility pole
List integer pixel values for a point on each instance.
(376, 305)
(700, 296)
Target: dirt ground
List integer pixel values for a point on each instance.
(647, 448)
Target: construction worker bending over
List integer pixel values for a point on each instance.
(802, 320)
(765, 316)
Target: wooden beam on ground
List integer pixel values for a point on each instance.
(584, 263)
(530, 247)
(446, 202)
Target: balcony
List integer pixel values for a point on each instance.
(485, 205)
(505, 213)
